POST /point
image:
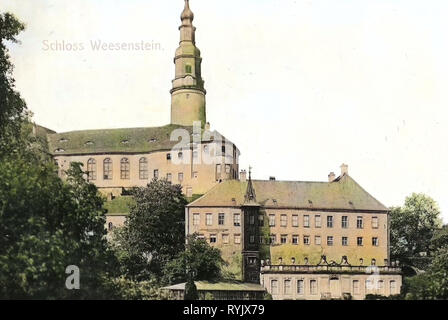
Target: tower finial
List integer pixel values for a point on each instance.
(187, 14)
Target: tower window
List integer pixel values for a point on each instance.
(107, 171)
(124, 168)
(91, 169)
(188, 68)
(143, 169)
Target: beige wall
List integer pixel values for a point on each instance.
(198, 177)
(314, 251)
(116, 220)
(341, 283)
(300, 251)
(228, 249)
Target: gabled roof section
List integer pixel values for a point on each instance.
(344, 194)
(109, 141)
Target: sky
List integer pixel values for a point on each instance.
(299, 86)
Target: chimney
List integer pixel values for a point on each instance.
(331, 177)
(271, 178)
(344, 169)
(243, 176)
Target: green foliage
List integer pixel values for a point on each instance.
(413, 227)
(154, 233)
(46, 225)
(126, 289)
(191, 292)
(199, 258)
(13, 111)
(267, 296)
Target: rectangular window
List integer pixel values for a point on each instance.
(295, 220)
(156, 174)
(344, 222)
(168, 156)
(221, 218)
(360, 241)
(260, 220)
(273, 239)
(329, 221)
(300, 287)
(284, 220)
(209, 219)
(180, 176)
(356, 287)
(295, 239)
(252, 219)
(359, 223)
(318, 221)
(375, 242)
(288, 287)
(225, 238)
(313, 287)
(344, 241)
(169, 177)
(227, 168)
(306, 240)
(306, 221)
(261, 239)
(330, 241)
(196, 219)
(375, 223)
(393, 287)
(213, 238)
(237, 238)
(237, 220)
(272, 220)
(284, 239)
(317, 240)
(274, 286)
(252, 239)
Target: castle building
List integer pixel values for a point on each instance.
(301, 240)
(184, 152)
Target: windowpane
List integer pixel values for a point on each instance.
(209, 220)
(143, 169)
(300, 287)
(375, 224)
(107, 169)
(359, 223)
(237, 220)
(295, 220)
(272, 220)
(318, 221)
(124, 169)
(306, 221)
(196, 219)
(221, 219)
(283, 220)
(330, 240)
(330, 222)
(345, 222)
(313, 287)
(91, 169)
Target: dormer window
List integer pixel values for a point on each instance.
(125, 141)
(59, 150)
(63, 140)
(152, 140)
(89, 143)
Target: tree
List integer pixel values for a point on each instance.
(154, 232)
(46, 225)
(13, 111)
(199, 258)
(413, 226)
(433, 284)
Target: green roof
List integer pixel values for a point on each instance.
(132, 140)
(220, 286)
(343, 194)
(119, 206)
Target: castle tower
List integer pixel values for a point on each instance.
(188, 93)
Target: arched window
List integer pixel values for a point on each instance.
(91, 169)
(107, 169)
(125, 168)
(143, 169)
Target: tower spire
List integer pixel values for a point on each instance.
(188, 93)
(250, 197)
